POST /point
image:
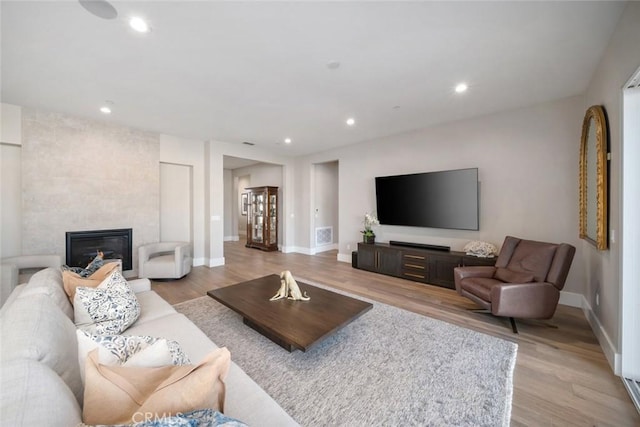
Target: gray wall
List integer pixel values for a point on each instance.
(528, 172)
(602, 268)
(80, 174)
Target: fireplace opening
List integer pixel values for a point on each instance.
(83, 246)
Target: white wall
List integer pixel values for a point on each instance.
(528, 169)
(190, 153)
(176, 193)
(11, 205)
(602, 268)
(10, 124)
(10, 180)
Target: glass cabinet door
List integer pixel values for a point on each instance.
(262, 218)
(258, 218)
(273, 219)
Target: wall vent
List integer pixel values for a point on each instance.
(324, 236)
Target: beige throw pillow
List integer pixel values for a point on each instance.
(73, 280)
(115, 394)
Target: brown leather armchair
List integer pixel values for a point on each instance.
(525, 282)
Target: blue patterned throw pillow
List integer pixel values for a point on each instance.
(108, 309)
(198, 418)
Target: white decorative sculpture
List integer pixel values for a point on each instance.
(289, 289)
(480, 249)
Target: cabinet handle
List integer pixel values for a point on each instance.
(414, 275)
(414, 256)
(414, 266)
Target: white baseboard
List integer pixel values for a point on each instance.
(571, 299)
(198, 261)
(231, 238)
(297, 249)
(325, 248)
(216, 262)
(344, 257)
(608, 348)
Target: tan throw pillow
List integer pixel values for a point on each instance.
(115, 394)
(73, 280)
(510, 276)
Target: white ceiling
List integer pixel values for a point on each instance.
(257, 71)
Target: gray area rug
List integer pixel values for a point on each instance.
(390, 367)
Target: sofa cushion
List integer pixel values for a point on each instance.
(108, 309)
(49, 282)
(480, 286)
(73, 280)
(33, 395)
(115, 394)
(126, 350)
(34, 328)
(177, 327)
(152, 306)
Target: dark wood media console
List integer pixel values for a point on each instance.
(433, 267)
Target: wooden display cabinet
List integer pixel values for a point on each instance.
(262, 218)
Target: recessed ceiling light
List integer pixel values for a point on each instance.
(461, 87)
(105, 109)
(139, 24)
(287, 140)
(351, 121)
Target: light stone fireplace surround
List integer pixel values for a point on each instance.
(80, 174)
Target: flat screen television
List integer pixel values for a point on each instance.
(444, 199)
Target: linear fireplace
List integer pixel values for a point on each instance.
(82, 246)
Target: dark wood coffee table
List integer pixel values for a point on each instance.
(290, 324)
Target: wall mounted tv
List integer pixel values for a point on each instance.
(444, 199)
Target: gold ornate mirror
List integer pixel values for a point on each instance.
(593, 178)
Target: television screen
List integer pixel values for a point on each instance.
(445, 199)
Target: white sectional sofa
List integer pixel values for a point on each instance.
(40, 374)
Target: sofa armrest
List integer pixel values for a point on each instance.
(140, 285)
(460, 273)
(535, 300)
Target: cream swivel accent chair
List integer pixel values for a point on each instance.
(18, 269)
(164, 260)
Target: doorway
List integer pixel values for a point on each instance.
(325, 207)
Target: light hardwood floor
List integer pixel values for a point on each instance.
(561, 377)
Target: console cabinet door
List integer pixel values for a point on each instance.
(388, 261)
(441, 270)
(379, 259)
(367, 257)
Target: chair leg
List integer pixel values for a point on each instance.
(513, 325)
